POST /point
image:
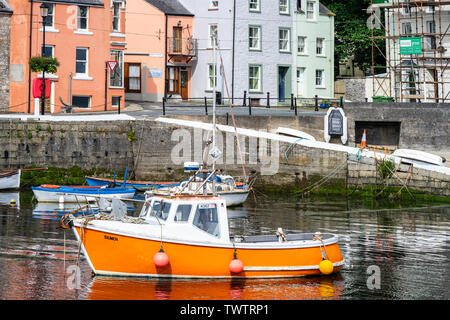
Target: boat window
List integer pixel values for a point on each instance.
(145, 209)
(207, 219)
(160, 210)
(183, 213)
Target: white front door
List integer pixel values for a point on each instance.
(300, 81)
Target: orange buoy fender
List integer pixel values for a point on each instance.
(161, 259)
(236, 266)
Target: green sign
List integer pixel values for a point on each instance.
(410, 45)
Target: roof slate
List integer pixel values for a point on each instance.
(170, 7)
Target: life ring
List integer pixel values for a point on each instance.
(50, 186)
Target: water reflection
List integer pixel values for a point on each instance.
(410, 246)
(105, 288)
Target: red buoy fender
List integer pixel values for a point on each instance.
(236, 266)
(161, 259)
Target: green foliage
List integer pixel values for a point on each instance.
(385, 168)
(49, 65)
(353, 39)
(131, 136)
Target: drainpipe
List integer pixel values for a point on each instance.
(232, 53)
(29, 56)
(165, 61)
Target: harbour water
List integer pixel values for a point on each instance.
(392, 251)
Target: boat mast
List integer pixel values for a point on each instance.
(214, 115)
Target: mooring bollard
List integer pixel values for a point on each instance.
(295, 105)
(316, 102)
(245, 99)
(206, 106)
(268, 100)
(164, 106)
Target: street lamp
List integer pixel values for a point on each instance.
(44, 14)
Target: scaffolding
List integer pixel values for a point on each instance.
(417, 52)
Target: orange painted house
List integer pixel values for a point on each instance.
(160, 50)
(83, 35)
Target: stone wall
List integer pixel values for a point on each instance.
(157, 151)
(424, 126)
(5, 27)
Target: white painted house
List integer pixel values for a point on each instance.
(258, 44)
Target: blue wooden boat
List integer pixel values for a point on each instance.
(138, 185)
(56, 193)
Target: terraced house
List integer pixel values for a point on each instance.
(269, 48)
(83, 35)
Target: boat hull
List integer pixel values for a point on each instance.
(81, 195)
(10, 180)
(139, 185)
(114, 254)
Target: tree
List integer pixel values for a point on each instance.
(353, 37)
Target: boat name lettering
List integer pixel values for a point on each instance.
(111, 238)
(206, 205)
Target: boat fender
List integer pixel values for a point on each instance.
(50, 186)
(12, 203)
(161, 259)
(326, 266)
(236, 265)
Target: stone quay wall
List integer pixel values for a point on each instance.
(157, 151)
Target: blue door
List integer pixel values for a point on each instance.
(282, 72)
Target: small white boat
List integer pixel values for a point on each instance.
(10, 179)
(225, 187)
(294, 133)
(419, 157)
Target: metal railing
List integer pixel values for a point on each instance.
(182, 46)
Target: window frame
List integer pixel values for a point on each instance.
(259, 28)
(189, 215)
(213, 6)
(210, 38)
(260, 78)
(86, 73)
(288, 50)
(79, 18)
(322, 73)
(82, 96)
(322, 47)
(119, 3)
(213, 77)
(218, 226)
(122, 66)
(305, 47)
(258, 9)
(288, 7)
(48, 46)
(308, 11)
(50, 14)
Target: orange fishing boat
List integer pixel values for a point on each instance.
(187, 236)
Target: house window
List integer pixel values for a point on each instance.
(310, 12)
(406, 11)
(116, 76)
(299, 5)
(254, 78)
(116, 16)
(431, 40)
(82, 18)
(284, 6)
(133, 77)
(81, 64)
(50, 19)
(319, 78)
(284, 37)
(301, 47)
(319, 46)
(214, 4)
(254, 5)
(47, 51)
(213, 33)
(212, 76)
(254, 37)
(173, 77)
(406, 28)
(81, 101)
(115, 101)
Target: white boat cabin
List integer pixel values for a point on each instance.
(197, 218)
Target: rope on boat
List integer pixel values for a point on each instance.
(318, 237)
